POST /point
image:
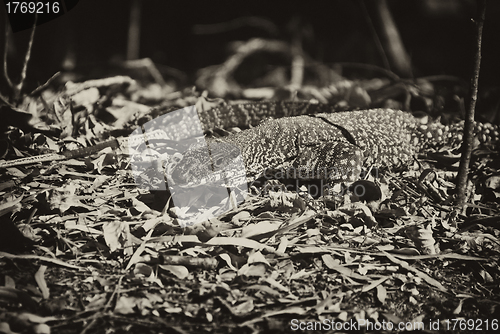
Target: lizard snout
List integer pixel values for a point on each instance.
(178, 176)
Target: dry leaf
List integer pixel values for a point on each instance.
(180, 272)
(116, 234)
(40, 280)
(125, 305)
(381, 293)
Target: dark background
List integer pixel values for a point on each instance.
(438, 35)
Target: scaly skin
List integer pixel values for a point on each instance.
(226, 116)
(329, 146)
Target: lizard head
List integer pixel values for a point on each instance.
(215, 162)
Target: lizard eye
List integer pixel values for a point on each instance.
(219, 162)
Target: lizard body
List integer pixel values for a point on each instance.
(342, 136)
(177, 124)
(330, 146)
(182, 125)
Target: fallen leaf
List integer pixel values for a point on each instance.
(381, 293)
(125, 305)
(40, 280)
(116, 234)
(180, 272)
(258, 270)
(374, 284)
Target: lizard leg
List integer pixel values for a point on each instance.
(336, 161)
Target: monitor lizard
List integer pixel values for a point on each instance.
(326, 139)
(178, 126)
(329, 146)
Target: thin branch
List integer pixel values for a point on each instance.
(19, 86)
(376, 38)
(370, 67)
(469, 116)
(6, 46)
(5, 100)
(297, 69)
(388, 35)
(45, 85)
(134, 31)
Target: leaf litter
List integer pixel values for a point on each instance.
(104, 251)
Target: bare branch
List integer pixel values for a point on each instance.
(6, 46)
(469, 116)
(19, 86)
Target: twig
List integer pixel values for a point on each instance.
(19, 86)
(370, 67)
(134, 30)
(466, 149)
(375, 36)
(6, 46)
(39, 258)
(45, 85)
(390, 38)
(6, 101)
(297, 76)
